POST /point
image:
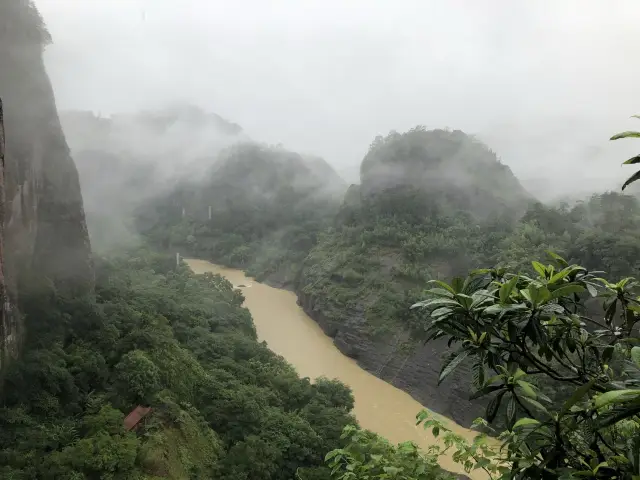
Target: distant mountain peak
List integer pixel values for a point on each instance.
(440, 167)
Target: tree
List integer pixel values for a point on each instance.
(139, 376)
(523, 332)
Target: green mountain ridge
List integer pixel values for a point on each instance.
(358, 260)
(267, 205)
(431, 204)
(447, 169)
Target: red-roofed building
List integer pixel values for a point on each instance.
(137, 414)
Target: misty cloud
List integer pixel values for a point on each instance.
(543, 83)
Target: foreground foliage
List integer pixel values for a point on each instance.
(224, 405)
(371, 457)
(526, 334)
(633, 160)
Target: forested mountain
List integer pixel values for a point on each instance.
(428, 206)
(224, 405)
(142, 332)
(549, 354)
(125, 159)
(435, 172)
(258, 208)
(431, 204)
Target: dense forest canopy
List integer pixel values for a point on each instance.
(257, 207)
(224, 405)
(356, 267)
(126, 159)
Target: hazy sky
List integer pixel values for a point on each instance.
(544, 82)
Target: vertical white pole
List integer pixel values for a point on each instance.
(177, 259)
(209, 212)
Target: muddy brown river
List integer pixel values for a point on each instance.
(288, 331)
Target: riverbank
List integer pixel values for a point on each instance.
(290, 332)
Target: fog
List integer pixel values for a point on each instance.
(544, 83)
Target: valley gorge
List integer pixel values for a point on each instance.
(182, 300)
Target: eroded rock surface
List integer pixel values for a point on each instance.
(44, 233)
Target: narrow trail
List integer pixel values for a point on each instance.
(379, 406)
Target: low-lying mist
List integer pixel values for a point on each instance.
(125, 159)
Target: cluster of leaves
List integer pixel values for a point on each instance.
(371, 457)
(520, 331)
(224, 405)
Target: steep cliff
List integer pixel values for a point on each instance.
(43, 226)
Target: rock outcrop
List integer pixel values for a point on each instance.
(43, 229)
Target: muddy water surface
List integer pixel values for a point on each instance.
(289, 332)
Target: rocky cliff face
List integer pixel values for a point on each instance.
(43, 225)
(416, 372)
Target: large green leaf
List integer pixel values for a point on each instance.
(627, 134)
(479, 371)
(539, 268)
(558, 258)
(566, 290)
(632, 160)
(486, 390)
(530, 402)
(538, 295)
(441, 302)
(493, 406)
(443, 285)
(512, 409)
(436, 302)
(507, 288)
(631, 179)
(457, 284)
(616, 396)
(494, 309)
(451, 363)
(525, 422)
(635, 355)
(577, 395)
(527, 389)
(480, 298)
(559, 276)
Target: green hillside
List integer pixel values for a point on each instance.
(428, 205)
(267, 206)
(224, 406)
(431, 204)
